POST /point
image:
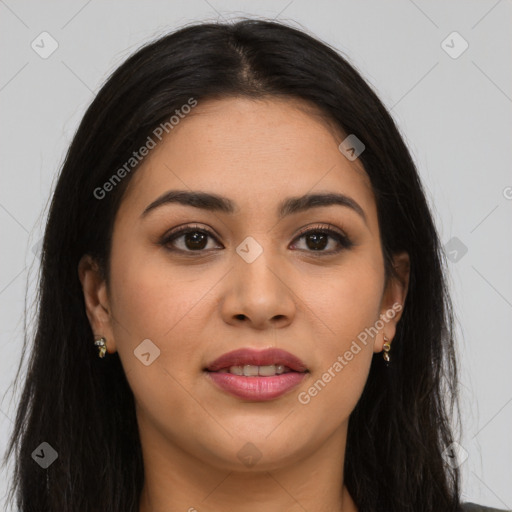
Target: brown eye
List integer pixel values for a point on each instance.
(193, 239)
(317, 239)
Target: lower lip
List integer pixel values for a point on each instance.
(257, 388)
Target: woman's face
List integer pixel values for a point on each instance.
(246, 279)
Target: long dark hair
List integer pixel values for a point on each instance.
(83, 406)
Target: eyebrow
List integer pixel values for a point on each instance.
(216, 203)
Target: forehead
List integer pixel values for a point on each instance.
(254, 151)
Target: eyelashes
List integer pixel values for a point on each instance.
(326, 232)
(319, 235)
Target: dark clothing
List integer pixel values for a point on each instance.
(472, 507)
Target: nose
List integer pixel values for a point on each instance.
(259, 294)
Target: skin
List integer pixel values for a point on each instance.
(196, 308)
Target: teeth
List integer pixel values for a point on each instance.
(237, 370)
(250, 370)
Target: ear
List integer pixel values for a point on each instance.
(96, 301)
(393, 299)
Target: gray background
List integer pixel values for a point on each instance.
(454, 113)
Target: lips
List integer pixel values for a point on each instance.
(252, 385)
(271, 356)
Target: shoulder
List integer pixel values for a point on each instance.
(473, 507)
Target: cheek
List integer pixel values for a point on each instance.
(345, 312)
(151, 297)
(153, 303)
(347, 301)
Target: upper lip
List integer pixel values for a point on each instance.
(247, 356)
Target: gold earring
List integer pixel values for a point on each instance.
(102, 346)
(386, 347)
